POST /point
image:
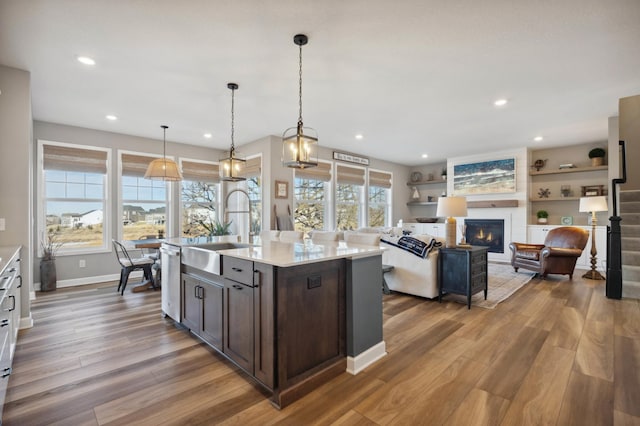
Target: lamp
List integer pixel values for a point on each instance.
(300, 144)
(449, 207)
(593, 205)
(232, 163)
(163, 168)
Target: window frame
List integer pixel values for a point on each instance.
(329, 205)
(389, 204)
(42, 200)
(169, 219)
(218, 204)
(363, 196)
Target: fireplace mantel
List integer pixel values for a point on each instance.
(485, 204)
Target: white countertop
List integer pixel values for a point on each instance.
(7, 254)
(292, 254)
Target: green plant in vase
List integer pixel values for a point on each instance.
(542, 216)
(597, 156)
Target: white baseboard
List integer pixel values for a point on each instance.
(26, 322)
(363, 360)
(88, 280)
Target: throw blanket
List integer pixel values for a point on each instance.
(412, 245)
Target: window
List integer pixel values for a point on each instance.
(200, 198)
(144, 201)
(310, 190)
(379, 198)
(349, 197)
(73, 188)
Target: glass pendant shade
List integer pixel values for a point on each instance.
(232, 163)
(300, 147)
(163, 168)
(300, 144)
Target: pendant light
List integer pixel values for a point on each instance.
(232, 163)
(300, 144)
(163, 168)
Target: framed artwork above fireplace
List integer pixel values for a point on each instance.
(485, 177)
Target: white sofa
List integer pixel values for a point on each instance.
(411, 274)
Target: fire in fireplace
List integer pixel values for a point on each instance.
(485, 232)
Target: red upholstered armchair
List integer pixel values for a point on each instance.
(558, 255)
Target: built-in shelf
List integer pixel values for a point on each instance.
(426, 182)
(539, 200)
(422, 203)
(571, 170)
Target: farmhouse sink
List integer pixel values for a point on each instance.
(206, 257)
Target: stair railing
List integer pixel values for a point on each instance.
(614, 238)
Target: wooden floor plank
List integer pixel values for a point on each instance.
(96, 357)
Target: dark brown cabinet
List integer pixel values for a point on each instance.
(239, 327)
(462, 270)
(203, 309)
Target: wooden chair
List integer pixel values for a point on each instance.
(130, 264)
(558, 255)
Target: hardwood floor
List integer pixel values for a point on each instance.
(556, 353)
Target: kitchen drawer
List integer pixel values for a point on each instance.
(239, 270)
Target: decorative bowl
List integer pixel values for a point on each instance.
(426, 219)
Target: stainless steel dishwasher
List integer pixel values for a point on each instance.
(170, 257)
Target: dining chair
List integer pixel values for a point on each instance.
(130, 264)
(318, 237)
(291, 236)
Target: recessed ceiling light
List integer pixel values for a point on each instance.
(500, 102)
(359, 136)
(425, 155)
(538, 138)
(207, 135)
(111, 117)
(86, 60)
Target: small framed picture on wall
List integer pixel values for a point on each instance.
(282, 189)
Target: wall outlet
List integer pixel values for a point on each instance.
(83, 263)
(2, 224)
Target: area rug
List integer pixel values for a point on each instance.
(503, 282)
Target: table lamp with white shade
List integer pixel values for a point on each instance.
(451, 207)
(593, 205)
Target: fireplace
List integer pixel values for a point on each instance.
(485, 232)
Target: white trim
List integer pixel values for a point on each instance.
(26, 322)
(361, 361)
(74, 282)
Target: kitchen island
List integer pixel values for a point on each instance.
(291, 315)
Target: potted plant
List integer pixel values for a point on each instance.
(597, 156)
(50, 246)
(220, 228)
(542, 215)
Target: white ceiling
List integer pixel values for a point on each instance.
(413, 76)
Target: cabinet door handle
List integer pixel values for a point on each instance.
(195, 292)
(256, 278)
(237, 286)
(201, 292)
(4, 323)
(236, 269)
(12, 270)
(13, 298)
(20, 278)
(6, 372)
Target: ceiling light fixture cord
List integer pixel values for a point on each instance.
(300, 87)
(233, 91)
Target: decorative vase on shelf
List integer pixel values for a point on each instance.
(415, 196)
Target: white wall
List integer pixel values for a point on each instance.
(15, 166)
